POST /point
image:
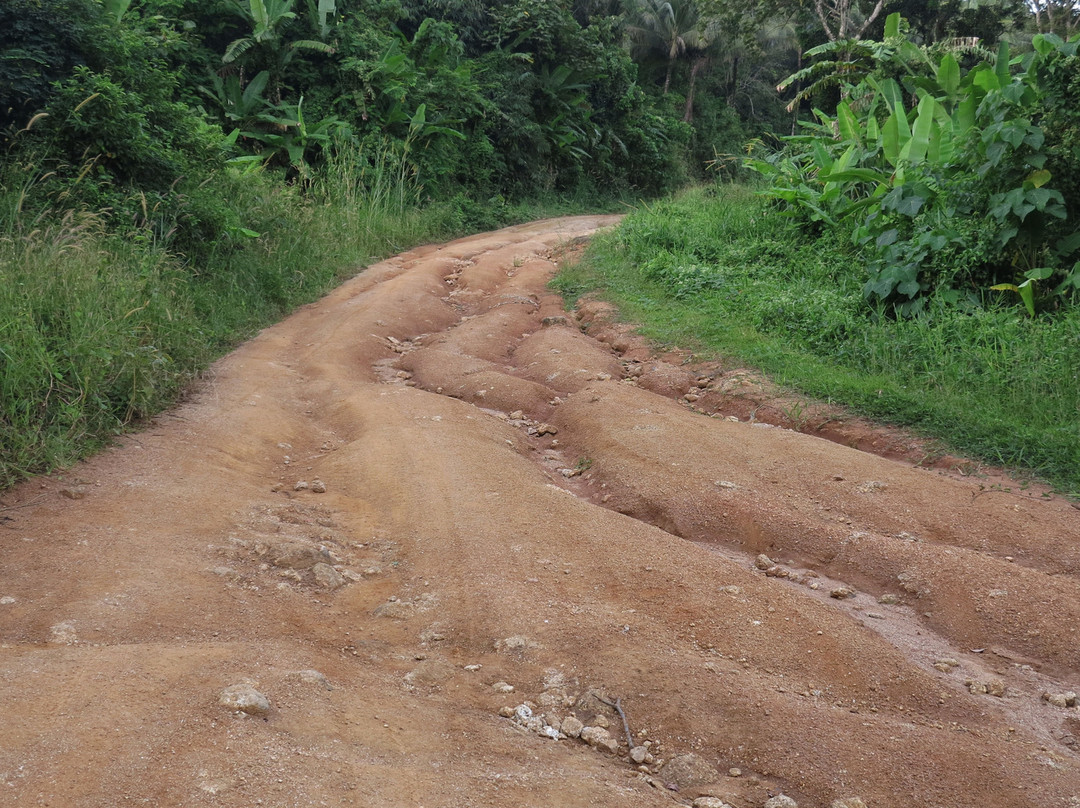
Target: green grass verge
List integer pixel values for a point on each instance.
(99, 329)
(715, 270)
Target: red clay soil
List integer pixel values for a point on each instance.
(517, 522)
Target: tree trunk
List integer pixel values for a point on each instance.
(688, 112)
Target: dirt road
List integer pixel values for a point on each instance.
(442, 525)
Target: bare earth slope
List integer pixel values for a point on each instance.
(511, 502)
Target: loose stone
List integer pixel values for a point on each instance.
(572, 727)
(688, 771)
(600, 738)
(326, 576)
(318, 486)
(243, 698)
(842, 592)
(781, 801)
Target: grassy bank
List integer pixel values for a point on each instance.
(715, 269)
(104, 320)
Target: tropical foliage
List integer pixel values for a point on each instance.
(941, 175)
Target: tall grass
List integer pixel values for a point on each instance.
(105, 315)
(99, 328)
(717, 270)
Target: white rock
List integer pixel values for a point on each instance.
(600, 738)
(244, 698)
(781, 801)
(710, 802)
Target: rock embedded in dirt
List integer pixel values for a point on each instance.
(600, 738)
(710, 802)
(639, 754)
(298, 556)
(842, 592)
(395, 610)
(515, 644)
(301, 485)
(688, 771)
(848, 802)
(1067, 699)
(318, 486)
(946, 664)
(326, 576)
(763, 562)
(312, 677)
(572, 727)
(991, 687)
(781, 801)
(63, 633)
(502, 687)
(244, 698)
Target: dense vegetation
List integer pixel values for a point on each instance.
(172, 169)
(913, 253)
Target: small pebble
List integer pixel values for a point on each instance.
(502, 687)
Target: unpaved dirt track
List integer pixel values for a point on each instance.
(147, 580)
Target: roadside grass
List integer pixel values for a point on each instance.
(101, 325)
(714, 270)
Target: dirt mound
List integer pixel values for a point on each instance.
(434, 541)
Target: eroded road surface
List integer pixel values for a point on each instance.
(455, 535)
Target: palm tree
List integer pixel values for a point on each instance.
(668, 29)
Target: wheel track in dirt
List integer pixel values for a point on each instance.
(453, 527)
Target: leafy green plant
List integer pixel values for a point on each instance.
(904, 166)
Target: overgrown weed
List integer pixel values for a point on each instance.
(106, 314)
